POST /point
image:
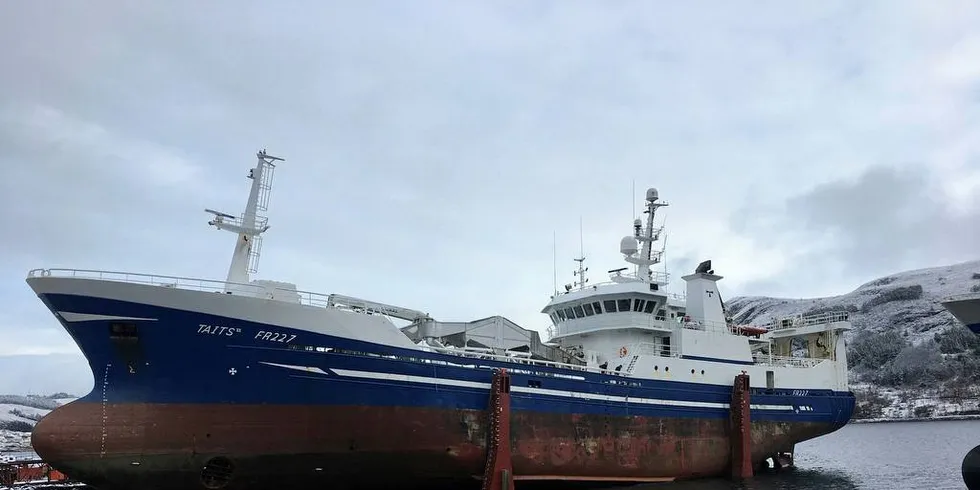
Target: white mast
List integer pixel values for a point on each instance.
(582, 269)
(646, 236)
(250, 226)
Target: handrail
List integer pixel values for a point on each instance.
(960, 297)
(803, 320)
(307, 298)
(177, 282)
(785, 361)
(520, 360)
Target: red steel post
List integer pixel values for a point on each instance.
(499, 472)
(741, 428)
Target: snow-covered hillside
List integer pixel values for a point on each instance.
(907, 301)
(18, 414)
(909, 357)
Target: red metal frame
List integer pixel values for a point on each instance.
(499, 473)
(741, 434)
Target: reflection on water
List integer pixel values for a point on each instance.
(906, 455)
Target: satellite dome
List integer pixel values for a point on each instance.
(627, 246)
(652, 194)
(637, 222)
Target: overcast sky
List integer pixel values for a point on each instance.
(433, 148)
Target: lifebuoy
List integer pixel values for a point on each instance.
(623, 351)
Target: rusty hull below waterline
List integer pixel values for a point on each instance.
(167, 446)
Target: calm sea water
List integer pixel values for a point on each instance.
(899, 455)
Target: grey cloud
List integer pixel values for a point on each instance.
(432, 150)
(885, 220)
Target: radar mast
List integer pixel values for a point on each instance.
(646, 235)
(251, 224)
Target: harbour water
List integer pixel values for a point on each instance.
(897, 455)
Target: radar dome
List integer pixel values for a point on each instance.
(627, 246)
(652, 194)
(637, 222)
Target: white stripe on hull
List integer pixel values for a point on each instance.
(88, 317)
(543, 391)
(308, 369)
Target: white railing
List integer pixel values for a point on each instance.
(783, 361)
(804, 320)
(307, 298)
(961, 297)
(206, 285)
(693, 324)
(482, 354)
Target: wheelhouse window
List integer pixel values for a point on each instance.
(588, 309)
(610, 305)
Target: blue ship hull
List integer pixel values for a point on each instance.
(176, 388)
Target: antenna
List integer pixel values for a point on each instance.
(581, 260)
(554, 257)
(646, 235)
(633, 199)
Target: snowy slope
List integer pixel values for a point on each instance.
(909, 304)
(22, 410)
(10, 411)
(907, 301)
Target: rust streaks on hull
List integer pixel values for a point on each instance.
(167, 446)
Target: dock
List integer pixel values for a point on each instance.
(34, 474)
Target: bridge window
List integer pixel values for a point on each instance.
(578, 311)
(588, 309)
(638, 304)
(597, 306)
(560, 314)
(623, 304)
(610, 305)
(569, 314)
(650, 306)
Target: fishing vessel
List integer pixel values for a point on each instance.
(254, 384)
(966, 309)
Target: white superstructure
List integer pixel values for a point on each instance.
(630, 326)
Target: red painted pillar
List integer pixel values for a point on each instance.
(499, 472)
(741, 428)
